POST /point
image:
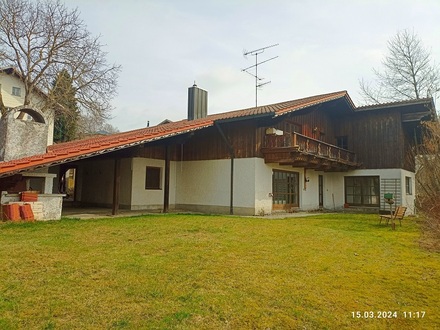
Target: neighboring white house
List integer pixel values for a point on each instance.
(12, 91)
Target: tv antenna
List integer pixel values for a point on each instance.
(258, 81)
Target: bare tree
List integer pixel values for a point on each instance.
(428, 180)
(408, 72)
(89, 126)
(42, 38)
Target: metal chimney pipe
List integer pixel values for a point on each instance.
(197, 103)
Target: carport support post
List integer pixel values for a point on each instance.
(116, 185)
(166, 191)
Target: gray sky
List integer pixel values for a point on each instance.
(324, 46)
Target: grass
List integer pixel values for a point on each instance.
(216, 272)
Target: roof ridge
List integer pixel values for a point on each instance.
(408, 101)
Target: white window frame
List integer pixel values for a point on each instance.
(408, 185)
(16, 91)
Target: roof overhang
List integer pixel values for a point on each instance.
(411, 110)
(58, 155)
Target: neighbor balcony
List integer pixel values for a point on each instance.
(302, 151)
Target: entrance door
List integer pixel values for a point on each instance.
(285, 189)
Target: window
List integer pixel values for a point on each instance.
(342, 142)
(291, 127)
(408, 185)
(362, 190)
(152, 178)
(16, 91)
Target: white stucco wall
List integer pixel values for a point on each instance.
(408, 200)
(263, 187)
(203, 183)
(247, 186)
(333, 190)
(206, 185)
(309, 191)
(144, 199)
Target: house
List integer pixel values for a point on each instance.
(305, 154)
(12, 91)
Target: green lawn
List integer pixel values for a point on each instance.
(217, 272)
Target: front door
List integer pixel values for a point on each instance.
(285, 190)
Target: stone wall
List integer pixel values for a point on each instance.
(22, 137)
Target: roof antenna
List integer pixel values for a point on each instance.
(255, 53)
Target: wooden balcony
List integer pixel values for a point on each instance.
(302, 151)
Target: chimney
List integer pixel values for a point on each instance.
(197, 103)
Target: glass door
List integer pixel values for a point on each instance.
(285, 189)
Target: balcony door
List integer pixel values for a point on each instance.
(289, 129)
(285, 190)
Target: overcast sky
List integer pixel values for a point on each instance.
(324, 46)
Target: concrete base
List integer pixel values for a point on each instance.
(52, 204)
(215, 209)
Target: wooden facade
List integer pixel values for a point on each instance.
(376, 138)
(245, 137)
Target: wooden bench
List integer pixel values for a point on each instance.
(399, 213)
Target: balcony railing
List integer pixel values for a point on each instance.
(298, 144)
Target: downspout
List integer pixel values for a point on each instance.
(166, 192)
(232, 155)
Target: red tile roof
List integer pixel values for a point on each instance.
(79, 149)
